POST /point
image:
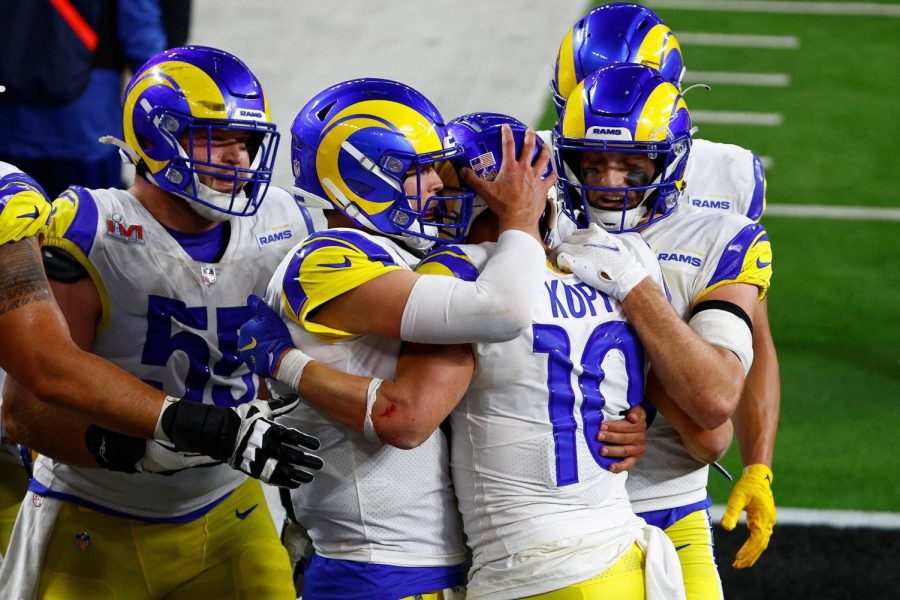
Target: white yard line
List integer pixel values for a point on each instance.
(737, 40)
(731, 117)
(767, 161)
(827, 518)
(823, 211)
(730, 78)
(855, 9)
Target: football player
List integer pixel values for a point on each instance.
(383, 520)
(155, 280)
(720, 178)
(620, 174)
(40, 354)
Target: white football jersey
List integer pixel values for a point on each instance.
(725, 178)
(526, 465)
(371, 502)
(170, 321)
(698, 252)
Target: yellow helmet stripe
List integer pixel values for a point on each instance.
(657, 45)
(573, 121)
(417, 128)
(660, 107)
(565, 68)
(203, 95)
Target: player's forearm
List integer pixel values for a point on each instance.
(52, 431)
(704, 445)
(702, 381)
(42, 357)
(338, 395)
(429, 382)
(756, 418)
(104, 394)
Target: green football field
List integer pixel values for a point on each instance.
(835, 299)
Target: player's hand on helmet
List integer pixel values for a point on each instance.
(263, 339)
(601, 260)
(624, 438)
(752, 493)
(518, 195)
(245, 437)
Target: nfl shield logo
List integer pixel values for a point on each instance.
(208, 275)
(37, 500)
(82, 541)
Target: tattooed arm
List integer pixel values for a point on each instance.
(38, 352)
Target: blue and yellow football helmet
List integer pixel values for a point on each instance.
(182, 95)
(616, 32)
(354, 145)
(478, 134)
(629, 110)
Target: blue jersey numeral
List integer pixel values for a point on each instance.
(553, 341)
(161, 344)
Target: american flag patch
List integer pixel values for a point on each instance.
(483, 161)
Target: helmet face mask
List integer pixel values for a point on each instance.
(619, 118)
(180, 108)
(371, 149)
(616, 32)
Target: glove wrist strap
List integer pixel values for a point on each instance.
(629, 280)
(195, 427)
(114, 451)
(760, 471)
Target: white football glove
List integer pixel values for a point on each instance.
(598, 258)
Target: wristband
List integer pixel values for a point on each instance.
(291, 369)
(372, 395)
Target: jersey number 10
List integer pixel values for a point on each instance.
(553, 341)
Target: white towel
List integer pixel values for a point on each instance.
(662, 573)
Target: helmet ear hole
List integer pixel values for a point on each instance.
(325, 110)
(358, 187)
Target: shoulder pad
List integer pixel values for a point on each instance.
(449, 260)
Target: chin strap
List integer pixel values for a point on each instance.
(211, 197)
(128, 154)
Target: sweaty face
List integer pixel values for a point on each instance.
(224, 147)
(615, 170)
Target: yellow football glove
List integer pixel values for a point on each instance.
(753, 493)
